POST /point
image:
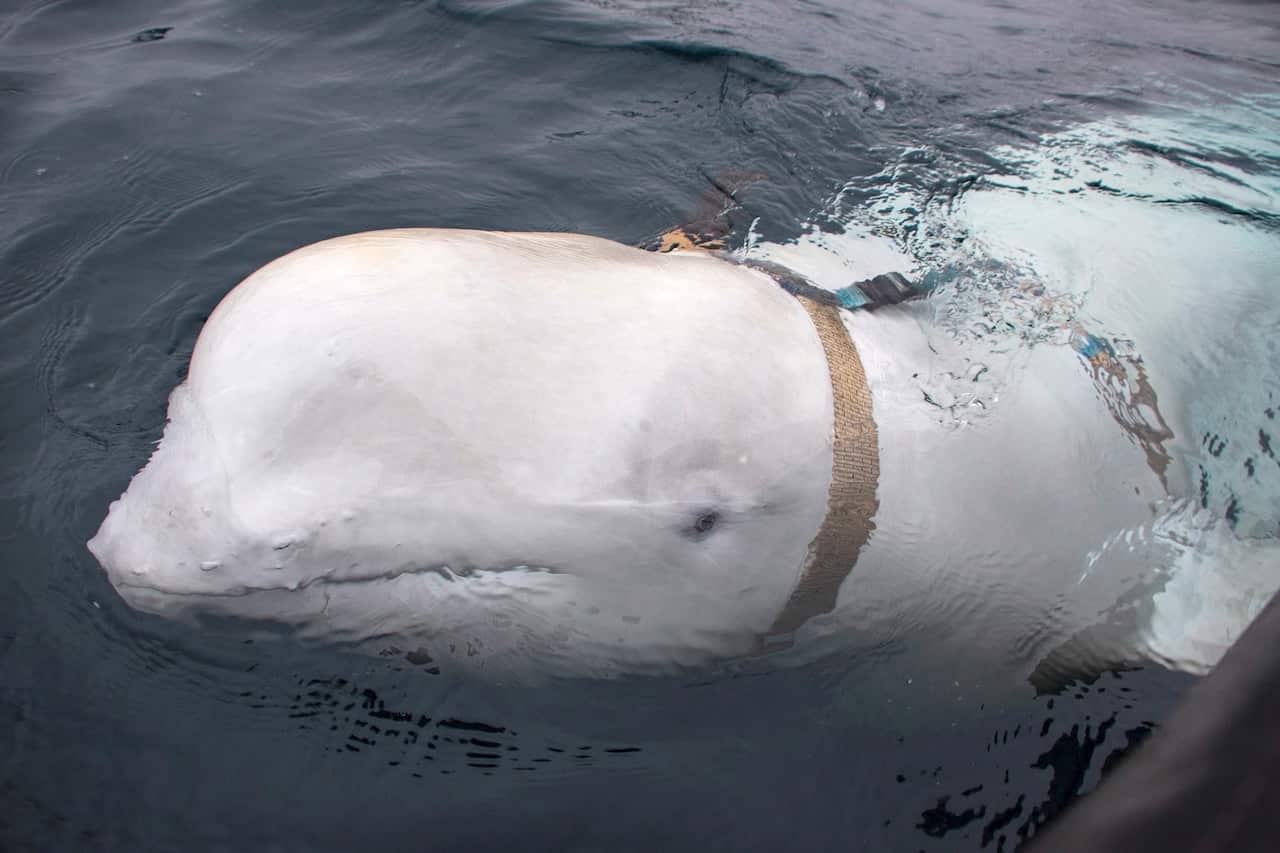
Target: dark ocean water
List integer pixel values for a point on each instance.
(153, 154)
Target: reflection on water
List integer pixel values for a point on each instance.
(1093, 197)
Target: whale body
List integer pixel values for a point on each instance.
(554, 453)
(481, 438)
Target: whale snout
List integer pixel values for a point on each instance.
(150, 549)
(108, 548)
(156, 569)
(130, 559)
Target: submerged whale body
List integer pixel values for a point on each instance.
(553, 453)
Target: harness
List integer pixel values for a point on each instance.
(855, 469)
(855, 473)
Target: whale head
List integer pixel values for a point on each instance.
(537, 450)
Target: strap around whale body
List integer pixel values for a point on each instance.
(855, 473)
(867, 295)
(855, 469)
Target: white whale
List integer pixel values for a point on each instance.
(553, 453)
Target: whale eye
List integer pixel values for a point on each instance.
(704, 523)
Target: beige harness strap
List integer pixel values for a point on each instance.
(855, 469)
(855, 472)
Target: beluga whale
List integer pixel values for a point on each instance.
(545, 454)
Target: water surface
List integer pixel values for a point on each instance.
(1123, 155)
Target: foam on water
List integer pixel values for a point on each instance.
(1155, 235)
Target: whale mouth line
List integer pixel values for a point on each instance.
(446, 572)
